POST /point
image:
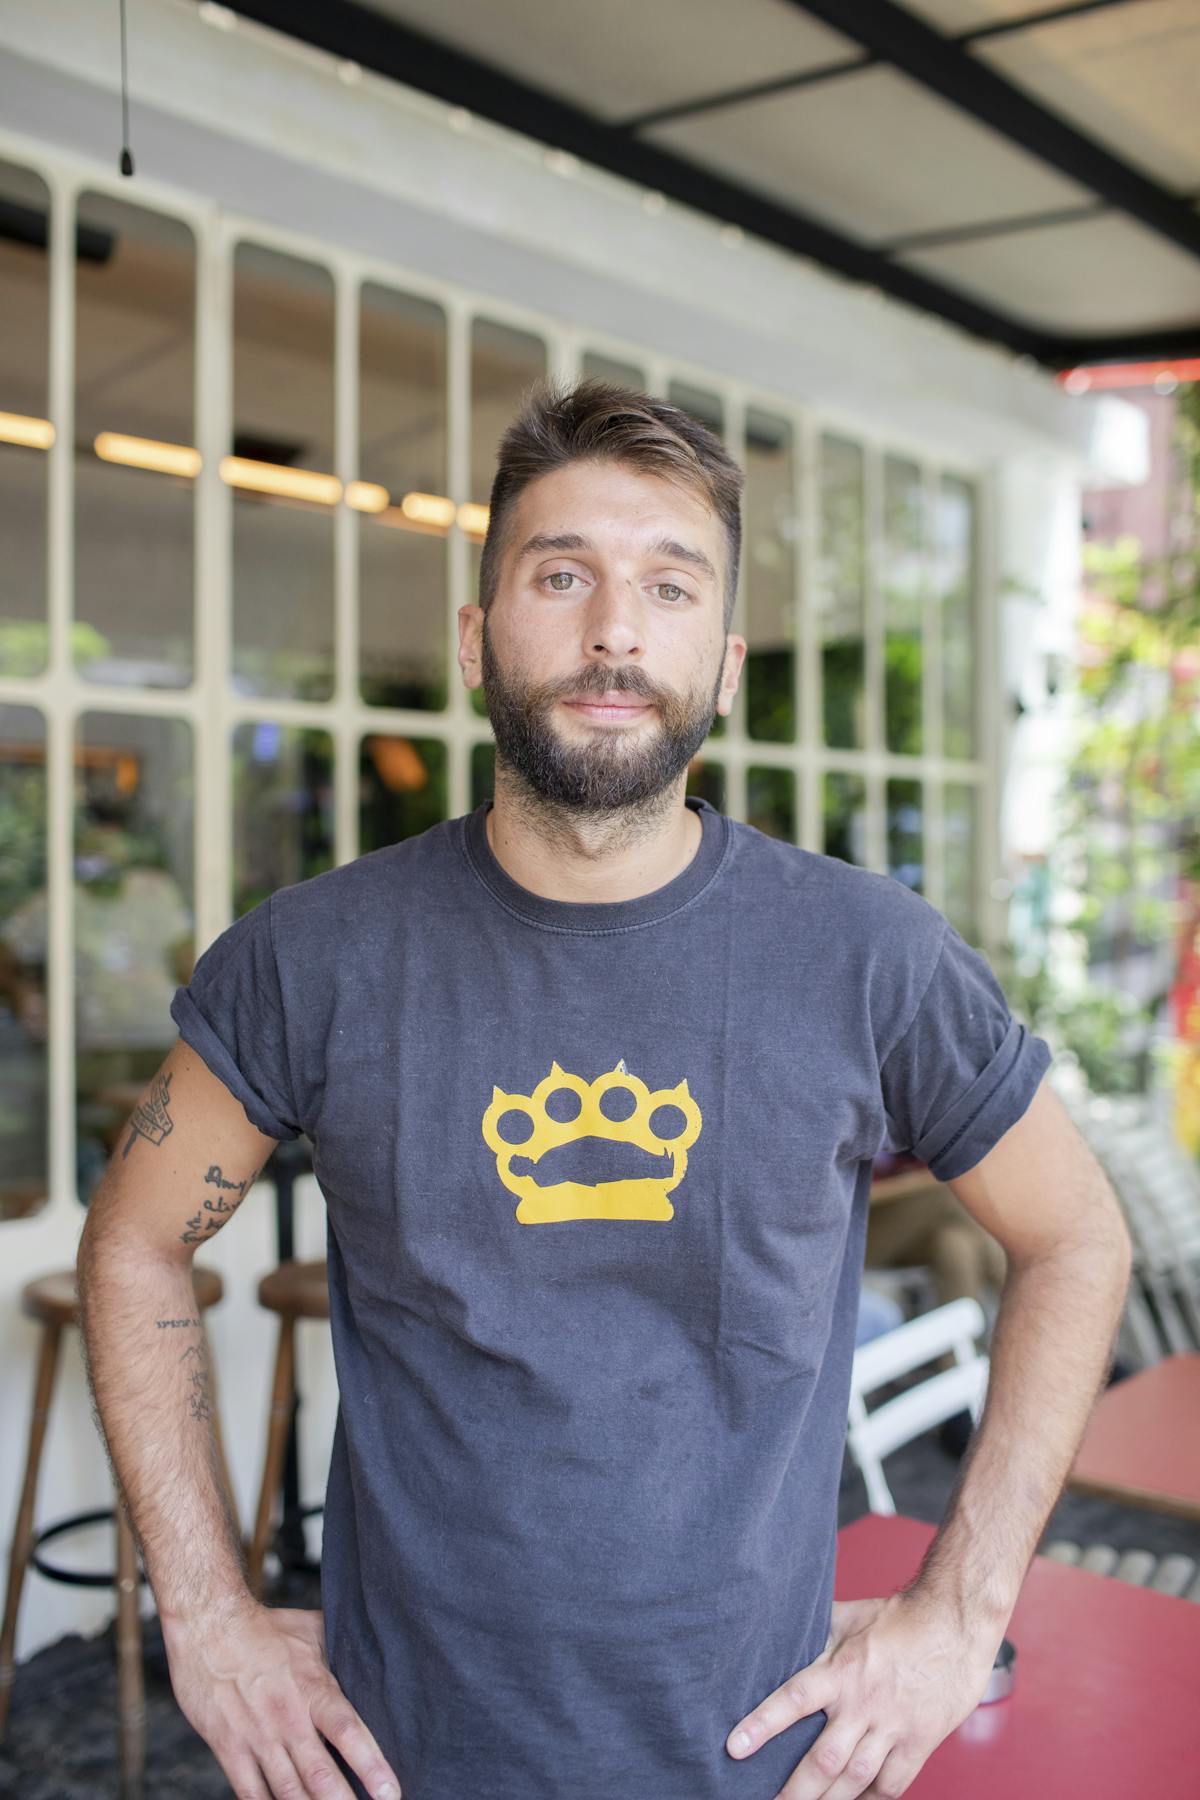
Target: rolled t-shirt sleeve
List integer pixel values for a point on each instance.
(964, 1069)
(231, 1013)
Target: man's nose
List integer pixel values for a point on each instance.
(613, 621)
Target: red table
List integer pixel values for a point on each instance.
(1142, 1444)
(1107, 1674)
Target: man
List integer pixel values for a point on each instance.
(594, 1077)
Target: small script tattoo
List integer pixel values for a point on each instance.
(199, 1396)
(214, 1212)
(150, 1117)
(173, 1324)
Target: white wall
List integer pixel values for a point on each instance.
(249, 122)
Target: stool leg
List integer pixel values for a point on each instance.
(131, 1701)
(43, 1388)
(282, 1397)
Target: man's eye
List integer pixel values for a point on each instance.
(678, 591)
(562, 575)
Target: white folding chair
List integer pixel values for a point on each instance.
(874, 1435)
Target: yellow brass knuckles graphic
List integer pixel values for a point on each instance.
(642, 1197)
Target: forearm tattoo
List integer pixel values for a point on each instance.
(151, 1117)
(214, 1211)
(199, 1393)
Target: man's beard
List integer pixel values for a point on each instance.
(596, 773)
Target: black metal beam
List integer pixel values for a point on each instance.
(897, 37)
(376, 42)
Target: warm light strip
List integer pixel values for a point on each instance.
(473, 519)
(395, 517)
(274, 478)
(428, 509)
(147, 453)
(367, 496)
(36, 434)
(1118, 375)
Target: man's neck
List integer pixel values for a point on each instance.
(563, 854)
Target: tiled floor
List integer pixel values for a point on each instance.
(61, 1741)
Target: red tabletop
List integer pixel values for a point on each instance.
(1106, 1677)
(1142, 1444)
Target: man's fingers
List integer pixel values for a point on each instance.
(896, 1775)
(823, 1769)
(245, 1779)
(801, 1695)
(861, 1767)
(340, 1725)
(284, 1779)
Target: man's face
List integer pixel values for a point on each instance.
(611, 586)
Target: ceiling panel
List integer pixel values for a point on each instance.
(617, 58)
(1128, 75)
(873, 154)
(1106, 274)
(956, 16)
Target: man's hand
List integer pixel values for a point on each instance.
(255, 1683)
(896, 1676)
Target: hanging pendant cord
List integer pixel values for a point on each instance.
(126, 153)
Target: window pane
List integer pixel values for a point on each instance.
(844, 816)
(504, 363)
(700, 403)
(609, 369)
(903, 584)
(771, 802)
(24, 394)
(961, 813)
(402, 538)
(136, 460)
(282, 427)
(24, 1067)
(402, 788)
(905, 836)
(841, 593)
(282, 808)
(133, 917)
(707, 778)
(483, 773)
(955, 573)
(770, 536)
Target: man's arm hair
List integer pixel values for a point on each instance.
(177, 1175)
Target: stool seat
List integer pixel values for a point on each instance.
(298, 1288)
(54, 1299)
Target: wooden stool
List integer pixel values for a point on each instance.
(295, 1290)
(53, 1301)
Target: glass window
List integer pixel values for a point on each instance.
(26, 432)
(609, 369)
(905, 832)
(402, 788)
(841, 624)
(136, 460)
(771, 802)
(282, 808)
(133, 915)
(956, 561)
(702, 404)
(24, 1122)
(769, 514)
(282, 474)
(483, 773)
(903, 585)
(844, 816)
(961, 812)
(504, 365)
(707, 778)
(402, 510)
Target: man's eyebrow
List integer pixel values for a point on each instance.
(543, 541)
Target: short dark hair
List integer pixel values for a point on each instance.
(601, 421)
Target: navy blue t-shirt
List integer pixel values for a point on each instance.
(597, 1180)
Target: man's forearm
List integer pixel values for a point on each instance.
(1050, 1355)
(148, 1366)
